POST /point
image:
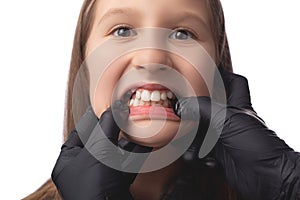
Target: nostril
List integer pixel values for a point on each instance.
(140, 67)
(163, 68)
(152, 68)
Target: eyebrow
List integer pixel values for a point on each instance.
(117, 11)
(186, 15)
(128, 11)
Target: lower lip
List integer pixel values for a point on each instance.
(152, 112)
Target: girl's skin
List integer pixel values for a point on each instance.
(149, 14)
(183, 16)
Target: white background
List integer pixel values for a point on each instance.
(35, 49)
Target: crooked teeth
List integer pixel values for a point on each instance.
(166, 103)
(136, 102)
(138, 94)
(163, 96)
(142, 102)
(170, 95)
(131, 102)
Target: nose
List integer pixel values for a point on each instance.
(151, 60)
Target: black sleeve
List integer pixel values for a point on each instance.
(256, 162)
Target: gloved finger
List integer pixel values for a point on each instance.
(85, 127)
(69, 150)
(120, 111)
(210, 162)
(80, 134)
(126, 144)
(102, 143)
(73, 141)
(195, 108)
(74, 144)
(191, 154)
(133, 147)
(114, 118)
(133, 161)
(237, 90)
(108, 126)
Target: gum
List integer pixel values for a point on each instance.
(153, 112)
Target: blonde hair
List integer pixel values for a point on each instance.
(84, 25)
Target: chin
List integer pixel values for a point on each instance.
(158, 138)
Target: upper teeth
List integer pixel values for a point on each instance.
(146, 95)
(163, 96)
(156, 95)
(138, 94)
(143, 97)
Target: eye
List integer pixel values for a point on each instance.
(123, 31)
(181, 34)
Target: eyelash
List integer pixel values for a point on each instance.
(119, 27)
(191, 32)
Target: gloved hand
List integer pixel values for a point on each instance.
(79, 172)
(256, 162)
(237, 94)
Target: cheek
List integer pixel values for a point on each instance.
(102, 87)
(101, 97)
(200, 75)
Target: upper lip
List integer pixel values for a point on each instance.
(130, 89)
(153, 86)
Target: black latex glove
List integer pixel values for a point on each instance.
(78, 175)
(238, 95)
(256, 162)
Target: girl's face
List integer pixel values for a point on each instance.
(189, 19)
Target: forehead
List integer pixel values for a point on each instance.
(155, 10)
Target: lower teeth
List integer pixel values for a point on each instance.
(136, 102)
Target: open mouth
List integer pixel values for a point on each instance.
(152, 101)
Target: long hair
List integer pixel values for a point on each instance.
(48, 190)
